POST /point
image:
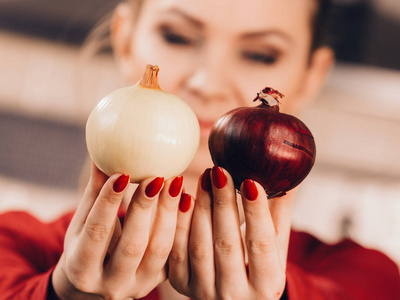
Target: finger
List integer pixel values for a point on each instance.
(96, 181)
(116, 234)
(281, 212)
(228, 248)
(132, 244)
(265, 263)
(178, 261)
(201, 252)
(98, 229)
(163, 231)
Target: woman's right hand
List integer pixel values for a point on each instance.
(104, 260)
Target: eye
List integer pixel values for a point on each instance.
(174, 38)
(258, 57)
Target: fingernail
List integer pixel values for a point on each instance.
(154, 187)
(185, 202)
(176, 186)
(250, 190)
(121, 183)
(218, 176)
(206, 180)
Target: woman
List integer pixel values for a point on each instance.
(215, 55)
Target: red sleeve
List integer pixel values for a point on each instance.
(342, 271)
(29, 250)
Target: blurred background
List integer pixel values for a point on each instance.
(47, 92)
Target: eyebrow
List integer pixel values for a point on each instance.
(269, 32)
(186, 16)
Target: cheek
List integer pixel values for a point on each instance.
(174, 64)
(280, 77)
(142, 53)
(149, 47)
(294, 91)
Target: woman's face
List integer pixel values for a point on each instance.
(216, 55)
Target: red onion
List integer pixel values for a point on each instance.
(275, 149)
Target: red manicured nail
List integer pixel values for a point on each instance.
(250, 190)
(185, 202)
(176, 186)
(206, 180)
(218, 176)
(121, 183)
(154, 187)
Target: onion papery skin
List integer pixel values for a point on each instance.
(142, 132)
(275, 149)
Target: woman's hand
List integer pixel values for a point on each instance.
(103, 259)
(211, 260)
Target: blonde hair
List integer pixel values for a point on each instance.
(98, 40)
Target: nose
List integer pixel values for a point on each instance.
(210, 77)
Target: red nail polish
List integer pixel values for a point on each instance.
(154, 187)
(176, 186)
(185, 202)
(121, 183)
(250, 190)
(218, 176)
(206, 181)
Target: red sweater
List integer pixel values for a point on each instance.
(29, 250)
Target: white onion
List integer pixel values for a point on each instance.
(142, 131)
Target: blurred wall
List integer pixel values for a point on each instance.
(46, 94)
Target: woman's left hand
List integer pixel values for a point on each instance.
(211, 260)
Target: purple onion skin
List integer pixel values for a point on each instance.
(275, 149)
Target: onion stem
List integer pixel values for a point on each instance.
(150, 78)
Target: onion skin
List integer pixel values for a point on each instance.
(260, 143)
(142, 131)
